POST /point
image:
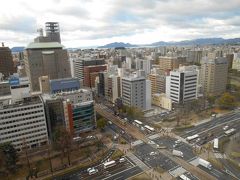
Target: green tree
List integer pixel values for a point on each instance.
(101, 123)
(9, 157)
(211, 100)
(227, 101)
(62, 141)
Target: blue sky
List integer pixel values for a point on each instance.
(98, 22)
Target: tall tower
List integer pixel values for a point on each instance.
(53, 31)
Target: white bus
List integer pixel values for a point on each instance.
(183, 177)
(189, 138)
(149, 128)
(229, 132)
(215, 144)
(109, 164)
(138, 123)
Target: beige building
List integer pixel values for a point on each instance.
(44, 84)
(236, 61)
(214, 75)
(158, 81)
(162, 101)
(170, 63)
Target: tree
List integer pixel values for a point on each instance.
(227, 101)
(211, 100)
(62, 141)
(101, 123)
(9, 158)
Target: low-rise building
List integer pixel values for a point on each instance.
(162, 101)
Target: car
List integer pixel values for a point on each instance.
(110, 122)
(151, 142)
(92, 171)
(178, 141)
(198, 140)
(90, 137)
(225, 128)
(152, 153)
(121, 160)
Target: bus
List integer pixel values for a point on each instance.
(183, 177)
(215, 144)
(149, 128)
(229, 132)
(138, 123)
(109, 164)
(189, 138)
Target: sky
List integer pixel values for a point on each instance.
(86, 23)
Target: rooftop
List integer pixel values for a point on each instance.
(44, 45)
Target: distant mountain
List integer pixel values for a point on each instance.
(17, 49)
(203, 41)
(117, 45)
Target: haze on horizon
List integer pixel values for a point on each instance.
(94, 22)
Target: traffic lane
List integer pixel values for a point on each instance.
(216, 133)
(186, 149)
(156, 160)
(230, 168)
(125, 174)
(190, 176)
(210, 124)
(104, 173)
(216, 173)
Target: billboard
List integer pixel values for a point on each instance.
(14, 81)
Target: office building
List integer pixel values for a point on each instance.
(90, 74)
(236, 61)
(181, 86)
(6, 62)
(80, 63)
(170, 63)
(73, 109)
(46, 59)
(22, 117)
(134, 92)
(214, 74)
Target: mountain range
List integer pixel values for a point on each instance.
(203, 41)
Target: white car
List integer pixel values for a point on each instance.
(153, 153)
(122, 160)
(225, 128)
(151, 142)
(178, 141)
(92, 171)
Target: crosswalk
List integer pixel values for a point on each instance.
(220, 156)
(137, 161)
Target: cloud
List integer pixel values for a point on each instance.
(95, 22)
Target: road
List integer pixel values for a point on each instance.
(214, 128)
(119, 171)
(134, 131)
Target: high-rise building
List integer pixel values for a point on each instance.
(22, 116)
(158, 80)
(214, 75)
(236, 61)
(74, 110)
(6, 62)
(170, 63)
(134, 92)
(90, 74)
(46, 58)
(181, 86)
(80, 63)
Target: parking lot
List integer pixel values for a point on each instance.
(169, 142)
(153, 158)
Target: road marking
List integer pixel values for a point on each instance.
(119, 177)
(118, 173)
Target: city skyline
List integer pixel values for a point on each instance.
(95, 23)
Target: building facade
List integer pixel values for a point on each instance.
(214, 74)
(182, 84)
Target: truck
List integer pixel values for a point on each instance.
(177, 153)
(205, 163)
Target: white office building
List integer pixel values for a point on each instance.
(181, 85)
(22, 117)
